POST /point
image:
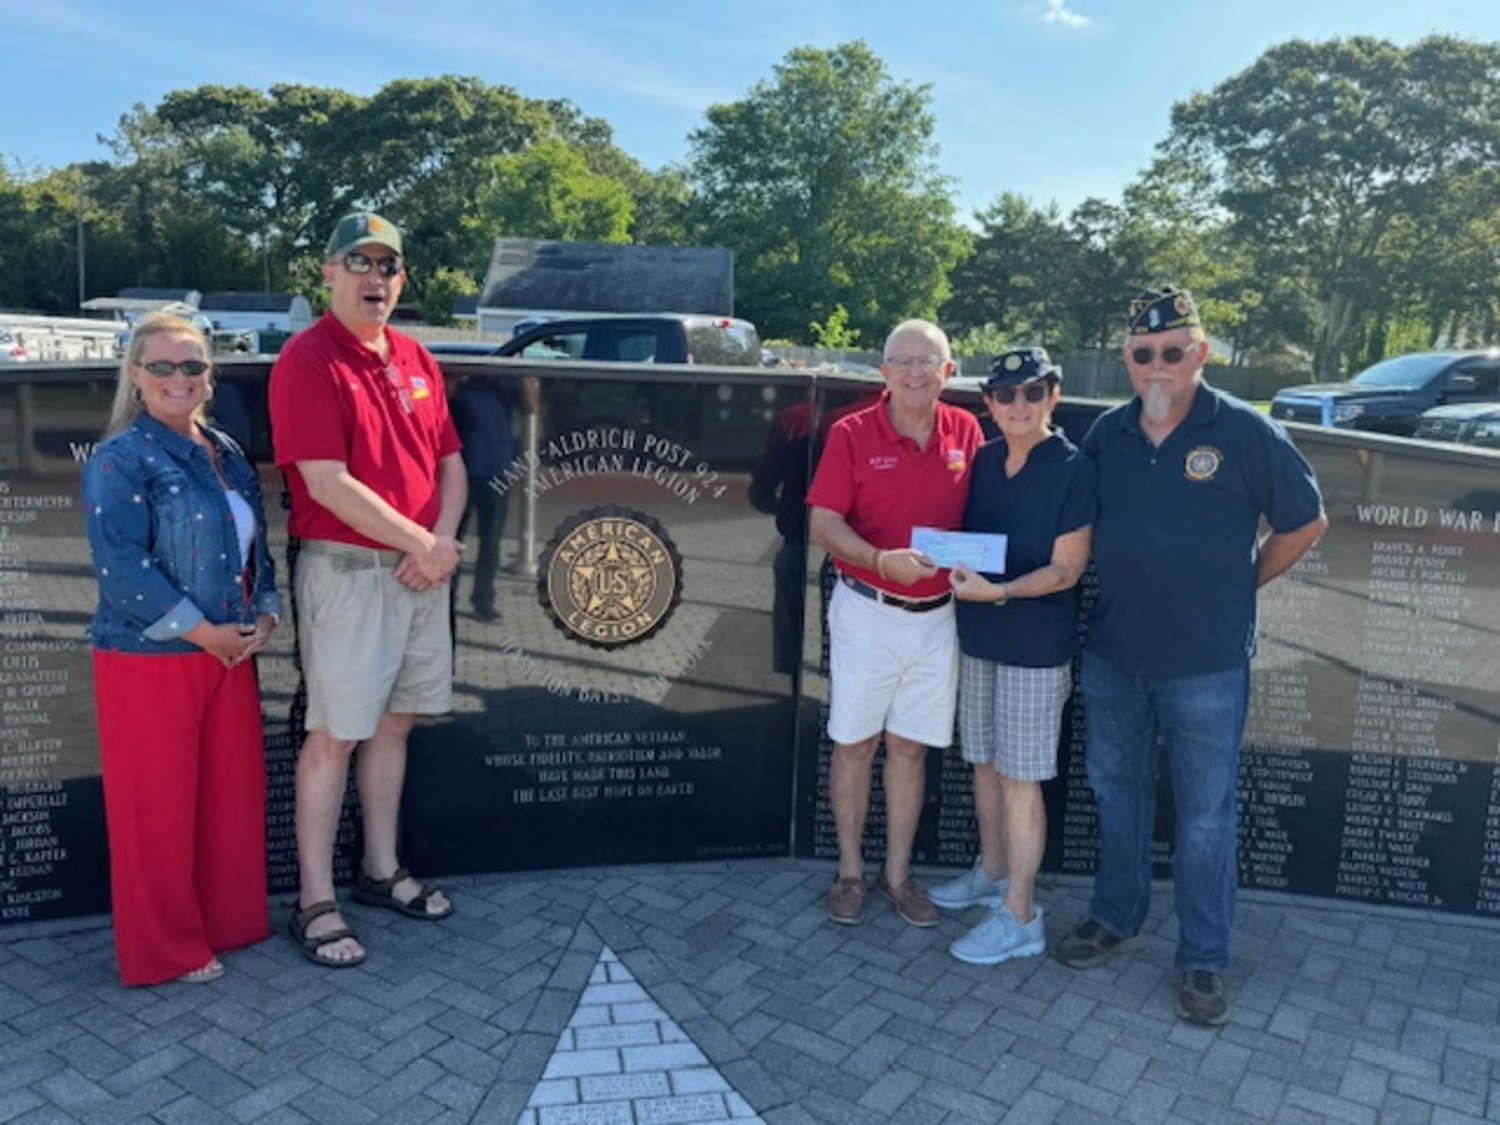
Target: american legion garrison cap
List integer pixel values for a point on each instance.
(1161, 310)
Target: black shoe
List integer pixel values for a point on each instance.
(487, 613)
(1090, 945)
(1202, 998)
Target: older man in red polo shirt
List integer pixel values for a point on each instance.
(901, 463)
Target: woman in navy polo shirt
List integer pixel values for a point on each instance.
(1018, 634)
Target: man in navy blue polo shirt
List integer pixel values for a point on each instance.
(1186, 475)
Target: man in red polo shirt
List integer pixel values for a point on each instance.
(901, 463)
(361, 427)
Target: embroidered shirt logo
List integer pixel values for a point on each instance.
(884, 462)
(1202, 463)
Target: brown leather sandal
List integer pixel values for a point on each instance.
(377, 892)
(301, 919)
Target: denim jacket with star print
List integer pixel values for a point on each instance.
(165, 549)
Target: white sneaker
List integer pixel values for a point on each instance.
(972, 888)
(1000, 937)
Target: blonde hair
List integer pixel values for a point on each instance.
(127, 407)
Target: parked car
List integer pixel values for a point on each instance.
(527, 323)
(1390, 396)
(726, 426)
(630, 338)
(11, 348)
(1473, 423)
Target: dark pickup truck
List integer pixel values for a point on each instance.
(721, 341)
(1390, 396)
(723, 424)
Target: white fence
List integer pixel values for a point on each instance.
(64, 339)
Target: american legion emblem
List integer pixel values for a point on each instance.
(610, 577)
(1202, 463)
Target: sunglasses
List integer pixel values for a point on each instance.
(165, 367)
(391, 266)
(1171, 355)
(1032, 392)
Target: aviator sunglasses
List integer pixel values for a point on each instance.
(165, 367)
(1170, 355)
(1033, 392)
(355, 262)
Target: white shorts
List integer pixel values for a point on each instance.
(368, 643)
(890, 670)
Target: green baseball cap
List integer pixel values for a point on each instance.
(361, 228)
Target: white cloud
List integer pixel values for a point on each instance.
(1058, 13)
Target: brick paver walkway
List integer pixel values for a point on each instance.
(719, 992)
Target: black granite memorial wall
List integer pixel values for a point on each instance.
(655, 688)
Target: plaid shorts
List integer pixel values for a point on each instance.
(1011, 717)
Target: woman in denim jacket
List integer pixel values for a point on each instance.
(187, 596)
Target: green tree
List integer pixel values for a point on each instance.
(1318, 149)
(273, 164)
(835, 333)
(443, 288)
(1017, 278)
(548, 191)
(824, 183)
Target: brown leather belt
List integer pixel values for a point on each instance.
(911, 605)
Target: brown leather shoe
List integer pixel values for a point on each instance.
(846, 901)
(911, 901)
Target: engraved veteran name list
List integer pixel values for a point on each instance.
(46, 725)
(1369, 767)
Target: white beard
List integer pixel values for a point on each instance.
(1156, 404)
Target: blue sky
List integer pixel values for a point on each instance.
(1054, 99)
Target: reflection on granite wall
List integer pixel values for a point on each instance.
(656, 688)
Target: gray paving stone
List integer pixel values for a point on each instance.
(1033, 1108)
(1102, 1104)
(140, 1104)
(1149, 1103)
(1339, 1014)
(185, 1111)
(1259, 1097)
(1328, 1108)
(209, 1082)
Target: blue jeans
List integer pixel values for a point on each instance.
(1197, 721)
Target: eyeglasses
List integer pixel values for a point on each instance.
(915, 362)
(164, 367)
(1171, 355)
(397, 380)
(390, 266)
(1033, 392)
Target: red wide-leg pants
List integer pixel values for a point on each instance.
(182, 753)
